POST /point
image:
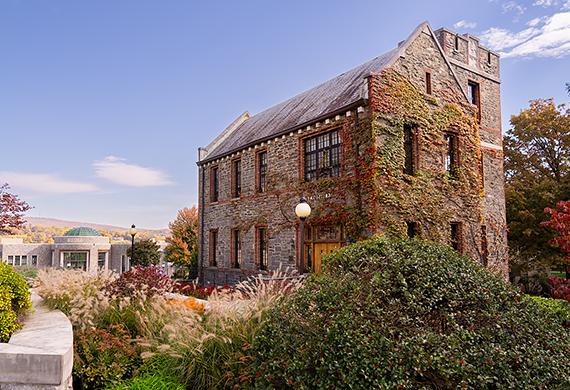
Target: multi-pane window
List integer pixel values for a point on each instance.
(261, 171)
(236, 178)
(214, 184)
(455, 235)
(236, 248)
(409, 150)
(213, 248)
(428, 83)
(24, 260)
(101, 260)
(17, 260)
(412, 229)
(34, 260)
(262, 248)
(451, 156)
(322, 156)
(75, 260)
(11, 260)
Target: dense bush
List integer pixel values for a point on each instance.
(148, 280)
(103, 357)
(557, 308)
(14, 300)
(408, 314)
(559, 288)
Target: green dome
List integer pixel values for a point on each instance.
(82, 231)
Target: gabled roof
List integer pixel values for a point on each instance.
(326, 99)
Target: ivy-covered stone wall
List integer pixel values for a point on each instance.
(372, 194)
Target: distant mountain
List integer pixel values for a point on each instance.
(52, 222)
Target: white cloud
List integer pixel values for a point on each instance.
(465, 24)
(44, 183)
(547, 37)
(566, 5)
(513, 6)
(536, 21)
(545, 3)
(118, 171)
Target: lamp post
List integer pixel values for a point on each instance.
(133, 233)
(302, 210)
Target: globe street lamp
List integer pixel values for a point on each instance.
(302, 210)
(133, 233)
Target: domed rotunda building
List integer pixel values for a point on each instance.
(79, 248)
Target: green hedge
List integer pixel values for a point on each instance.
(557, 308)
(14, 299)
(408, 314)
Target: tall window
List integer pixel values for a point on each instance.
(214, 184)
(262, 248)
(451, 156)
(409, 150)
(428, 83)
(455, 235)
(473, 93)
(236, 178)
(456, 43)
(17, 260)
(236, 248)
(24, 260)
(34, 260)
(322, 156)
(11, 260)
(213, 248)
(484, 246)
(101, 260)
(412, 228)
(262, 171)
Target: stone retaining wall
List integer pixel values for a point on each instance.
(40, 355)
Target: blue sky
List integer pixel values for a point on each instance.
(103, 103)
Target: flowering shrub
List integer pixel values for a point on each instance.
(189, 303)
(103, 357)
(14, 300)
(149, 281)
(196, 291)
(560, 288)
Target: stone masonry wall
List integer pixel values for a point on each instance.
(274, 209)
(479, 69)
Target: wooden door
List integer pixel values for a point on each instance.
(321, 249)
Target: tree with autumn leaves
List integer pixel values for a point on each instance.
(560, 222)
(537, 176)
(12, 211)
(182, 248)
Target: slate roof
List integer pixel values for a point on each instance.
(333, 95)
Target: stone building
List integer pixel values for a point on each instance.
(408, 143)
(79, 248)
